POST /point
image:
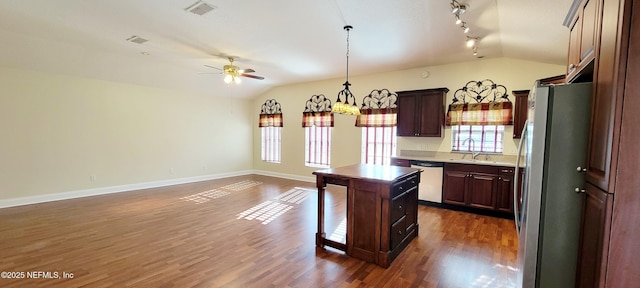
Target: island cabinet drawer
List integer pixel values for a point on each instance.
(398, 232)
(404, 185)
(398, 207)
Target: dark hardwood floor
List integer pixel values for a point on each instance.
(249, 231)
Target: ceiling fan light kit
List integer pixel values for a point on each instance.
(233, 73)
(346, 108)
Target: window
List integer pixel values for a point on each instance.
(477, 138)
(317, 146)
(378, 145)
(271, 143)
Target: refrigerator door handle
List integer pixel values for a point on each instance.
(516, 177)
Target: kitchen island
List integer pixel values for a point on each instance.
(382, 214)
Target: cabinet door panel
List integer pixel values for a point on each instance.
(589, 30)
(432, 114)
(411, 202)
(398, 232)
(574, 46)
(504, 195)
(407, 115)
(454, 187)
(481, 191)
(591, 237)
(520, 113)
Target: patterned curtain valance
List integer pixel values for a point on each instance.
(379, 109)
(317, 112)
(497, 113)
(490, 105)
(270, 114)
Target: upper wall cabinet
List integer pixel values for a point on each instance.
(421, 112)
(583, 21)
(520, 113)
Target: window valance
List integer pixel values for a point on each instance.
(270, 114)
(379, 109)
(497, 113)
(492, 105)
(317, 112)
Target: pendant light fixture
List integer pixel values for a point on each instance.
(346, 108)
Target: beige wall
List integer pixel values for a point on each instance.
(513, 74)
(61, 134)
(60, 131)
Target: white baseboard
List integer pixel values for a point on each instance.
(285, 176)
(4, 203)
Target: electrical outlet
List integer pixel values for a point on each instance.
(93, 178)
(424, 147)
(171, 170)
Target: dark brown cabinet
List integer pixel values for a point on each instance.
(479, 186)
(421, 112)
(470, 185)
(610, 237)
(382, 210)
(594, 222)
(520, 113)
(608, 92)
(504, 195)
(583, 38)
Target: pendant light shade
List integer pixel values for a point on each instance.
(346, 107)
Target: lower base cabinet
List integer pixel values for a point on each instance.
(478, 186)
(596, 217)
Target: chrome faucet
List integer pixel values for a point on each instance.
(472, 144)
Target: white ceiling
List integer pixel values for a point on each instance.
(286, 41)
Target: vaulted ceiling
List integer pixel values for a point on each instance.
(286, 41)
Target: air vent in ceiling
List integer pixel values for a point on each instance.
(136, 39)
(200, 8)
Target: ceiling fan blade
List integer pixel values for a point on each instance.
(252, 76)
(246, 71)
(213, 67)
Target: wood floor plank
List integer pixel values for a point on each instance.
(217, 234)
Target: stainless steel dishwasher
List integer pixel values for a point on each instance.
(430, 188)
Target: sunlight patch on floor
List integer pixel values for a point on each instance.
(266, 211)
(271, 209)
(242, 185)
(340, 234)
(295, 195)
(205, 196)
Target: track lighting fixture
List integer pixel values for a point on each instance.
(472, 41)
(465, 28)
(457, 8)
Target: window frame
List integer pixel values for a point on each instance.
(310, 158)
(271, 146)
(386, 148)
(479, 135)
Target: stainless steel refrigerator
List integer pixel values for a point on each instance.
(554, 145)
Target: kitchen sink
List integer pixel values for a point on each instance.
(480, 162)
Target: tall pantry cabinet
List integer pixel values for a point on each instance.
(609, 55)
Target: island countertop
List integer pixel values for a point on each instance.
(375, 173)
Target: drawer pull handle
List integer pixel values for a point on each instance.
(578, 190)
(399, 207)
(399, 232)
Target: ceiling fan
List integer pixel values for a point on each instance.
(233, 73)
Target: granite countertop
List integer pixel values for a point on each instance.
(456, 157)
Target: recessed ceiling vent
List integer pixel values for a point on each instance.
(136, 39)
(200, 8)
